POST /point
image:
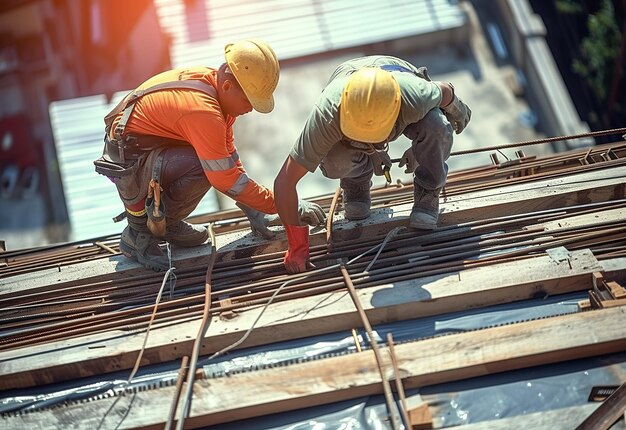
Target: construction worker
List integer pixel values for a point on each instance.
(171, 140)
(367, 103)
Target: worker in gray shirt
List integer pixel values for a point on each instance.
(367, 103)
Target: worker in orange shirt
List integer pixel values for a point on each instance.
(170, 140)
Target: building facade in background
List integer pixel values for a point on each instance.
(54, 50)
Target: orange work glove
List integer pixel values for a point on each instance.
(297, 256)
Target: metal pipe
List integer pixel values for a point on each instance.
(374, 343)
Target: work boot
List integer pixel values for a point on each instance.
(184, 234)
(356, 199)
(425, 212)
(143, 248)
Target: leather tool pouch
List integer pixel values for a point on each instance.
(112, 170)
(118, 161)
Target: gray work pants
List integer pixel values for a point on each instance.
(182, 179)
(431, 142)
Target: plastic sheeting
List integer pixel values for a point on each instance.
(524, 391)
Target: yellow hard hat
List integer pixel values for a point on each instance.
(369, 106)
(256, 68)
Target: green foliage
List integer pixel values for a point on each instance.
(598, 50)
(568, 6)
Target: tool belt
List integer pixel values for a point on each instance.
(118, 158)
(122, 151)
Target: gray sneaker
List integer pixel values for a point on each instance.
(425, 213)
(356, 201)
(185, 234)
(144, 249)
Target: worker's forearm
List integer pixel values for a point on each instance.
(285, 194)
(286, 200)
(447, 93)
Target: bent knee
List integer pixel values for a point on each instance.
(437, 125)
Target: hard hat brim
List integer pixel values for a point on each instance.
(365, 136)
(262, 105)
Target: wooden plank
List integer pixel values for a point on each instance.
(590, 187)
(431, 361)
(616, 289)
(615, 268)
(484, 286)
(587, 219)
(421, 418)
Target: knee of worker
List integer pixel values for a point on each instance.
(182, 175)
(438, 129)
(348, 171)
(432, 149)
(187, 188)
(331, 170)
(178, 163)
(431, 138)
(183, 196)
(431, 178)
(132, 188)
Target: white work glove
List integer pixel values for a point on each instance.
(311, 213)
(457, 112)
(408, 160)
(260, 222)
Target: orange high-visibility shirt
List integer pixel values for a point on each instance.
(197, 118)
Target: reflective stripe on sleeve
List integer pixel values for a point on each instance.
(238, 186)
(220, 164)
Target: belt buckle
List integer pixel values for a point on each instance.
(129, 143)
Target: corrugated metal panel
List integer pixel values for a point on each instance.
(92, 200)
(297, 28)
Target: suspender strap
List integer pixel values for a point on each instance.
(127, 104)
(396, 68)
(422, 72)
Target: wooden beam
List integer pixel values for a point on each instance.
(427, 362)
(328, 313)
(584, 188)
(420, 417)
